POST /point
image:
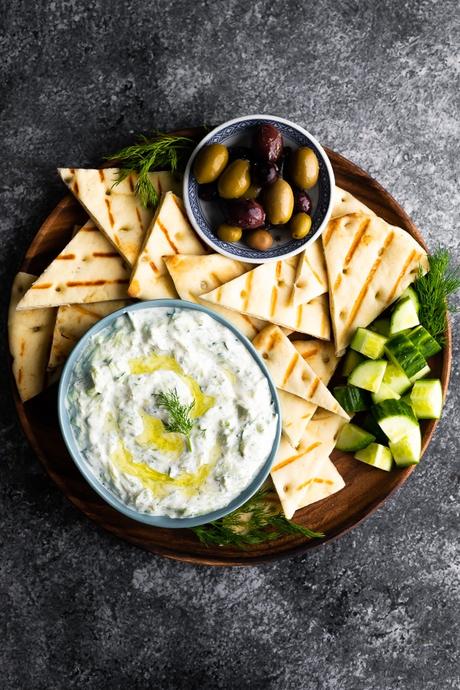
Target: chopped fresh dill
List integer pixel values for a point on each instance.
(162, 151)
(179, 415)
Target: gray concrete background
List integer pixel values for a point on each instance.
(378, 609)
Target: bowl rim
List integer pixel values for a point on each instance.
(250, 118)
(84, 468)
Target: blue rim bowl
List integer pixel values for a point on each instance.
(204, 217)
(85, 469)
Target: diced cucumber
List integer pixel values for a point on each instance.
(368, 343)
(369, 423)
(368, 375)
(410, 292)
(350, 361)
(352, 399)
(408, 449)
(381, 326)
(401, 351)
(424, 341)
(395, 418)
(352, 437)
(404, 316)
(396, 379)
(426, 399)
(376, 455)
(384, 393)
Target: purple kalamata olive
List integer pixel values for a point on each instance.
(265, 173)
(283, 162)
(302, 202)
(246, 213)
(240, 152)
(268, 143)
(208, 192)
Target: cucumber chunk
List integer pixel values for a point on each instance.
(401, 351)
(381, 326)
(368, 375)
(385, 392)
(350, 361)
(426, 399)
(352, 399)
(368, 343)
(376, 455)
(352, 437)
(408, 449)
(369, 423)
(395, 418)
(424, 341)
(396, 379)
(410, 292)
(404, 316)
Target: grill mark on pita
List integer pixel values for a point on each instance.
(88, 283)
(42, 286)
(153, 267)
(166, 234)
(76, 189)
(219, 294)
(337, 282)
(299, 315)
(278, 269)
(272, 338)
(293, 458)
(101, 175)
(274, 299)
(22, 348)
(318, 277)
(65, 257)
(109, 211)
(316, 480)
(367, 282)
(310, 353)
(333, 224)
(20, 372)
(216, 278)
(313, 388)
(290, 367)
(86, 312)
(407, 263)
(116, 239)
(106, 254)
(131, 184)
(356, 242)
(247, 290)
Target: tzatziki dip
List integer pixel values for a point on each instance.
(171, 411)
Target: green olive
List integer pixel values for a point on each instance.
(300, 225)
(279, 202)
(253, 192)
(210, 162)
(229, 233)
(235, 180)
(260, 239)
(304, 168)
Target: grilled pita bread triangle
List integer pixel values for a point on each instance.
(306, 474)
(297, 412)
(87, 270)
(311, 276)
(72, 322)
(169, 233)
(345, 203)
(29, 335)
(369, 264)
(193, 275)
(265, 293)
(291, 372)
(115, 208)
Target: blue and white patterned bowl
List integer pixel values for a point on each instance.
(206, 216)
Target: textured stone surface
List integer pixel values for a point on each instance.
(377, 610)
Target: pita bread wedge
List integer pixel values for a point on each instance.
(345, 203)
(115, 208)
(87, 270)
(311, 277)
(369, 264)
(169, 233)
(305, 475)
(72, 322)
(297, 412)
(291, 372)
(265, 293)
(193, 275)
(29, 335)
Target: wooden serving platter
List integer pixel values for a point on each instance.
(366, 488)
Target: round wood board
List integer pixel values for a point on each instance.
(366, 488)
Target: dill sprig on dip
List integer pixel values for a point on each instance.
(162, 151)
(179, 415)
(257, 521)
(434, 289)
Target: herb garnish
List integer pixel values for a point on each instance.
(433, 290)
(162, 151)
(257, 521)
(179, 415)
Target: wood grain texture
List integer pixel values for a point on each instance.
(366, 488)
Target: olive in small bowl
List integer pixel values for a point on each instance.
(245, 213)
(300, 225)
(260, 239)
(210, 163)
(279, 202)
(235, 180)
(229, 233)
(304, 167)
(268, 143)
